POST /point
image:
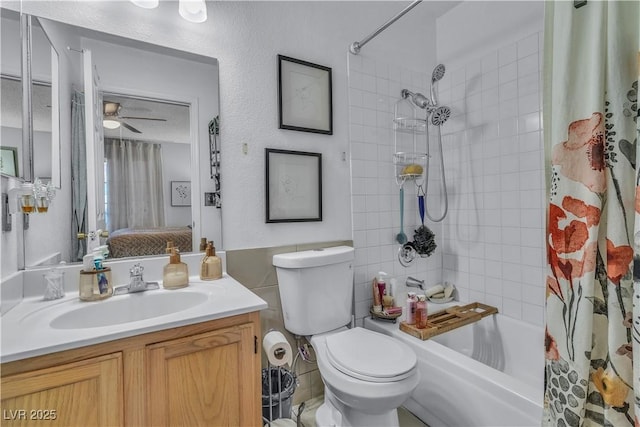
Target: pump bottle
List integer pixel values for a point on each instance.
(211, 265)
(175, 275)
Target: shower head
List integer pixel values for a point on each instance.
(440, 115)
(436, 75)
(417, 98)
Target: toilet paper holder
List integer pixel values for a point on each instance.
(280, 354)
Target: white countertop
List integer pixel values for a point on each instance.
(27, 330)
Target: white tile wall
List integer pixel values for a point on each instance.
(374, 88)
(494, 233)
(491, 244)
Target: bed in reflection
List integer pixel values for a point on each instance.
(129, 242)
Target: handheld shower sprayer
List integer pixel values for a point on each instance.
(436, 75)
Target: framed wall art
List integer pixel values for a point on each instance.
(304, 96)
(9, 161)
(293, 186)
(180, 193)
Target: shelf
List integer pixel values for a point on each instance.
(409, 176)
(402, 124)
(404, 159)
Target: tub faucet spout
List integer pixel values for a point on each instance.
(412, 282)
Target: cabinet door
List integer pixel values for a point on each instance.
(86, 393)
(210, 379)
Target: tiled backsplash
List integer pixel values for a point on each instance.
(374, 89)
(494, 233)
(254, 269)
(491, 244)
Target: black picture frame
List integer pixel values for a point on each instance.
(293, 186)
(305, 100)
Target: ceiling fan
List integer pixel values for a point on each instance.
(112, 118)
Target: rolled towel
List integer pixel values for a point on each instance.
(434, 290)
(448, 289)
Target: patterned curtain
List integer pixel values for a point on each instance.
(591, 132)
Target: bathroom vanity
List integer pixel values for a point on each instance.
(196, 366)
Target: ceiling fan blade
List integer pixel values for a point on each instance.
(143, 118)
(131, 128)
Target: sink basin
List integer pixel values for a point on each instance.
(128, 308)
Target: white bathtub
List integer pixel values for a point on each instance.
(489, 373)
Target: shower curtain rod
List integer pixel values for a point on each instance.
(355, 46)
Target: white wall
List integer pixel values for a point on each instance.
(174, 159)
(494, 248)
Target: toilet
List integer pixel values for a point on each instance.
(367, 375)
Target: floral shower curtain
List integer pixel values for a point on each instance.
(591, 131)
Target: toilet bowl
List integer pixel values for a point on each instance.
(366, 375)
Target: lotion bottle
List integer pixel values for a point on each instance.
(411, 308)
(421, 312)
(175, 275)
(211, 265)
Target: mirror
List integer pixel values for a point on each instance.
(45, 105)
(11, 89)
(138, 82)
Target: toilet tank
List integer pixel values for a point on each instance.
(316, 289)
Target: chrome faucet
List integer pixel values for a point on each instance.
(136, 282)
(412, 282)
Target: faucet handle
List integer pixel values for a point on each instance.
(136, 270)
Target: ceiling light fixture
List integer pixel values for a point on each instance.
(193, 10)
(110, 124)
(146, 4)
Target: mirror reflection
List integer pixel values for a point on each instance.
(146, 143)
(11, 89)
(155, 107)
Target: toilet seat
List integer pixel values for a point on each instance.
(370, 356)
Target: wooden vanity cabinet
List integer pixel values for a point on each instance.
(207, 374)
(86, 393)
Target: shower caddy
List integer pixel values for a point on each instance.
(407, 131)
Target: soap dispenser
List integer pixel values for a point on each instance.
(175, 275)
(211, 265)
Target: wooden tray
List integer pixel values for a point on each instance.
(449, 319)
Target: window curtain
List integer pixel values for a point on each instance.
(78, 177)
(592, 364)
(134, 184)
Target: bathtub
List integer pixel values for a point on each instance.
(488, 373)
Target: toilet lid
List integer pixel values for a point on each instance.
(370, 356)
